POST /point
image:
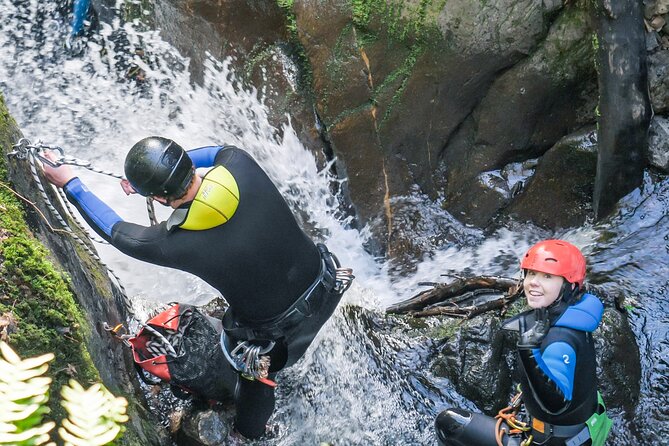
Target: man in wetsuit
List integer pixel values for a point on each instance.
(557, 357)
(233, 229)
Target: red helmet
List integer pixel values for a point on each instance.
(556, 257)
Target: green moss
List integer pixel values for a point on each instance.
(37, 295)
(350, 112)
(411, 25)
(403, 72)
(516, 307)
(257, 55)
(362, 11)
(434, 327)
(569, 52)
(606, 236)
(446, 329)
(404, 21)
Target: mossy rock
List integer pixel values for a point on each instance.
(41, 301)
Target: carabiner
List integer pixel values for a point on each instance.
(40, 148)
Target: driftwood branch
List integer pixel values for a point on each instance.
(464, 297)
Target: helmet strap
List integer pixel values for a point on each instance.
(568, 293)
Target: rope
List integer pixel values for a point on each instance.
(508, 415)
(25, 150)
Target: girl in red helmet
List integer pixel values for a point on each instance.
(557, 360)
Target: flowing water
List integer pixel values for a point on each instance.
(359, 384)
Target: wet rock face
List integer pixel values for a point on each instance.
(656, 15)
(526, 111)
(564, 177)
(658, 143)
(477, 360)
(437, 98)
(618, 360)
(658, 78)
(255, 35)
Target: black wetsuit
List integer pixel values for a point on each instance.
(260, 260)
(558, 381)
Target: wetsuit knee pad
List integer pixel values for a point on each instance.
(458, 427)
(450, 424)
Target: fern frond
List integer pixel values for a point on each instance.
(24, 394)
(95, 415)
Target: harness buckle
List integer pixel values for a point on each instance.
(343, 279)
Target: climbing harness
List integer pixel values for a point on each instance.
(508, 415)
(596, 428)
(245, 343)
(302, 308)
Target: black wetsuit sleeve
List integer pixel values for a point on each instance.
(147, 243)
(255, 403)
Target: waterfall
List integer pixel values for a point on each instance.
(357, 384)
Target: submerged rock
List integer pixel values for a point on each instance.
(205, 427)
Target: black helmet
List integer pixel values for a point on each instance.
(158, 166)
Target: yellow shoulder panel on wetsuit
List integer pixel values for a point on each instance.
(215, 203)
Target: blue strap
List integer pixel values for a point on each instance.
(96, 210)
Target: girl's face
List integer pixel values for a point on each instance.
(541, 289)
